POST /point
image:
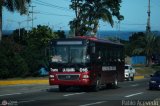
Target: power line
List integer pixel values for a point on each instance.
(46, 13)
(132, 24)
(50, 5)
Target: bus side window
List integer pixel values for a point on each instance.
(110, 55)
(100, 55)
(92, 52)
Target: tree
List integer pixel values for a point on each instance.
(148, 44)
(24, 55)
(89, 12)
(60, 34)
(35, 52)
(12, 63)
(134, 42)
(21, 39)
(13, 5)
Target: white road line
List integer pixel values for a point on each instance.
(135, 85)
(95, 103)
(27, 101)
(134, 94)
(74, 94)
(10, 94)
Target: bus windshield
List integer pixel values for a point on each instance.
(69, 54)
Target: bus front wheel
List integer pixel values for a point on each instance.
(96, 87)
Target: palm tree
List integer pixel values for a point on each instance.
(13, 5)
(104, 10)
(91, 11)
(148, 43)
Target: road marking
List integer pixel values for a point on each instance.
(133, 94)
(74, 94)
(95, 103)
(27, 101)
(10, 94)
(135, 85)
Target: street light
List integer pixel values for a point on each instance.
(19, 24)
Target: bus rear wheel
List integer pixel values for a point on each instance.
(115, 83)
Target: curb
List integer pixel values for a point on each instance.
(139, 77)
(37, 81)
(16, 82)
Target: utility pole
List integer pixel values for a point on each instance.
(19, 32)
(32, 13)
(77, 17)
(19, 25)
(27, 19)
(148, 27)
(117, 30)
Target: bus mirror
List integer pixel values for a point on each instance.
(93, 49)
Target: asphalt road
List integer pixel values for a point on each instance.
(129, 93)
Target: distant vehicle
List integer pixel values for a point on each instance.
(85, 62)
(129, 73)
(154, 82)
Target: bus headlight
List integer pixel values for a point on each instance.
(51, 76)
(83, 69)
(85, 76)
(53, 70)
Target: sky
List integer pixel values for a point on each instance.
(56, 14)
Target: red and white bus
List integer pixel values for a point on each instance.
(86, 62)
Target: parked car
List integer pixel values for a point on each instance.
(154, 82)
(129, 73)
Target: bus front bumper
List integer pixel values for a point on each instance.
(82, 82)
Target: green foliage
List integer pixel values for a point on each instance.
(142, 44)
(60, 34)
(37, 43)
(89, 12)
(24, 55)
(40, 36)
(16, 5)
(4, 72)
(135, 41)
(19, 36)
(11, 64)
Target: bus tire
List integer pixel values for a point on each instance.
(96, 87)
(115, 83)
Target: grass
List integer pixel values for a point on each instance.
(146, 71)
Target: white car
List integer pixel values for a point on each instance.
(129, 73)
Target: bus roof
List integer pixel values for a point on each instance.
(94, 39)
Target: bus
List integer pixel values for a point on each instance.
(85, 62)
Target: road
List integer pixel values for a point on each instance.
(129, 93)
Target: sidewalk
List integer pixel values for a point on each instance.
(35, 81)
